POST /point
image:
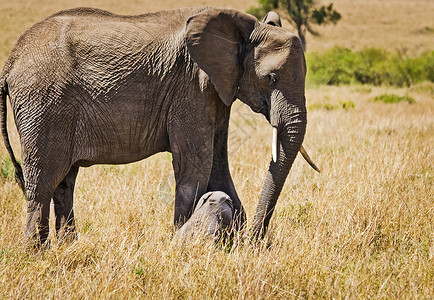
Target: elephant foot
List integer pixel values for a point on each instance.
(66, 235)
(212, 219)
(34, 243)
(65, 228)
(36, 233)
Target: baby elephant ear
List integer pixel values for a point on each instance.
(215, 40)
(272, 18)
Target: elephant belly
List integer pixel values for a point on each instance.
(118, 136)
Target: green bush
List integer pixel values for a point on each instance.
(346, 105)
(392, 98)
(7, 170)
(332, 67)
(369, 66)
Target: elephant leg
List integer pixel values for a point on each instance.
(221, 179)
(46, 161)
(39, 187)
(63, 207)
(38, 213)
(185, 197)
(192, 176)
(191, 135)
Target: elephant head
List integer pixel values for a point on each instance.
(263, 65)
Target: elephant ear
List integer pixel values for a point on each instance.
(215, 40)
(272, 18)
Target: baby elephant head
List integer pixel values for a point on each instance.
(212, 218)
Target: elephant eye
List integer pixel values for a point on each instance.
(272, 79)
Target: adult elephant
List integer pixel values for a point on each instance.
(88, 87)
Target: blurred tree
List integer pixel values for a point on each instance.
(302, 14)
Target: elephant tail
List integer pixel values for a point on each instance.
(3, 126)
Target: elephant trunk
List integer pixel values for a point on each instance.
(288, 115)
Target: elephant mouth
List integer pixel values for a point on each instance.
(265, 110)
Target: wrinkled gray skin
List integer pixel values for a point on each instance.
(212, 218)
(90, 87)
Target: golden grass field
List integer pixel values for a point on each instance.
(362, 228)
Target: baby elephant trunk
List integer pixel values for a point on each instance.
(212, 218)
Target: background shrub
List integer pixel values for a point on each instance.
(7, 170)
(392, 98)
(374, 66)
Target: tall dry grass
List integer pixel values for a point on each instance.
(396, 25)
(360, 229)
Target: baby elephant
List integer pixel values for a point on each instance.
(212, 218)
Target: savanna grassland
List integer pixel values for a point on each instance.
(362, 228)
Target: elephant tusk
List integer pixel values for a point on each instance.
(308, 159)
(274, 145)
